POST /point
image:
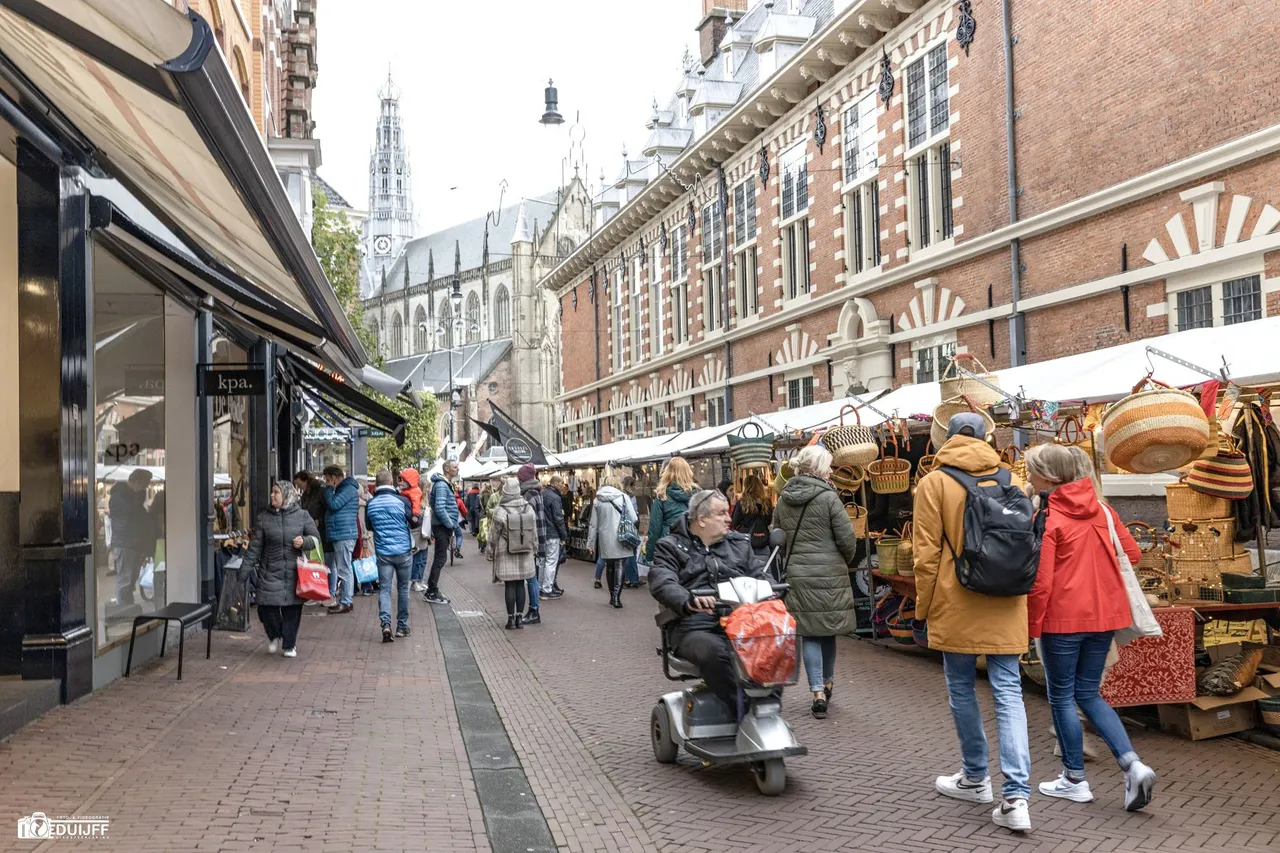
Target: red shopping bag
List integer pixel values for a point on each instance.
(313, 579)
(764, 637)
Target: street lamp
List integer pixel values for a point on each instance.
(552, 115)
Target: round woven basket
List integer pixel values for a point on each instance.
(954, 384)
(1182, 501)
(887, 554)
(848, 478)
(1154, 430)
(1269, 708)
(853, 444)
(857, 515)
(890, 475)
(942, 417)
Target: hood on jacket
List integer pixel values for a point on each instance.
(530, 486)
(1077, 500)
(517, 500)
(412, 477)
(802, 488)
(971, 455)
(609, 493)
(385, 490)
(677, 493)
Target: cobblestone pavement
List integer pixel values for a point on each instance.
(867, 783)
(355, 746)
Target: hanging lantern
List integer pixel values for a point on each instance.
(820, 128)
(885, 88)
(966, 26)
(764, 165)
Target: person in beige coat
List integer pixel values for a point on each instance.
(964, 624)
(511, 515)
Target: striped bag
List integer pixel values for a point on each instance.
(1226, 475)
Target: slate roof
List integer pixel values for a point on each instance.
(471, 363)
(335, 198)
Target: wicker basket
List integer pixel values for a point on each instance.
(848, 478)
(925, 464)
(1199, 540)
(900, 623)
(1151, 544)
(1236, 564)
(906, 553)
(954, 384)
(890, 475)
(942, 417)
(1013, 459)
(1154, 430)
(887, 554)
(1269, 709)
(854, 444)
(1182, 501)
(858, 516)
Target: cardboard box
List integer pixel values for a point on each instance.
(1213, 716)
(1268, 680)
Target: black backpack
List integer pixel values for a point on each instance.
(1002, 535)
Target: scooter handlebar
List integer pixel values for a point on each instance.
(711, 593)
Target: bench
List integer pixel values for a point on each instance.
(186, 615)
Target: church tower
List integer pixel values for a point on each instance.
(390, 224)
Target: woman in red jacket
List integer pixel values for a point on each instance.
(1075, 608)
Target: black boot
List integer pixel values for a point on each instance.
(615, 586)
(532, 617)
(519, 621)
(511, 621)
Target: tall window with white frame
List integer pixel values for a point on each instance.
(932, 355)
(637, 271)
(746, 289)
(715, 409)
(680, 285)
(684, 416)
(928, 157)
(619, 350)
(712, 267)
(799, 392)
(1220, 304)
(861, 186)
(655, 303)
(795, 222)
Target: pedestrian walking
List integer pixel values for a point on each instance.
(474, 506)
(342, 527)
(557, 536)
(444, 521)
(531, 489)
(131, 528)
(491, 503)
(1075, 608)
(753, 513)
(964, 624)
(282, 533)
(311, 498)
(462, 523)
(513, 547)
(675, 487)
(390, 517)
(366, 535)
(821, 545)
(482, 517)
(609, 510)
(631, 569)
(409, 484)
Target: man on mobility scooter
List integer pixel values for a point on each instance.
(701, 571)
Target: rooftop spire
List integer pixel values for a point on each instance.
(522, 234)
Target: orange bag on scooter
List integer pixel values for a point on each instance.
(764, 637)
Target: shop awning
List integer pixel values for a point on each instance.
(145, 92)
(344, 399)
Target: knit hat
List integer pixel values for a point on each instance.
(510, 488)
(527, 472)
(975, 425)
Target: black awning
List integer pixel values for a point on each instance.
(345, 398)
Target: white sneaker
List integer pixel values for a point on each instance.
(1015, 816)
(1139, 782)
(1064, 788)
(291, 653)
(958, 787)
(273, 646)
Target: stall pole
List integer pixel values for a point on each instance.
(1253, 497)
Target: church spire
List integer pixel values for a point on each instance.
(522, 234)
(457, 259)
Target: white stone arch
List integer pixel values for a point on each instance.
(858, 319)
(861, 349)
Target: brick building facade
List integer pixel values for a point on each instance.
(864, 239)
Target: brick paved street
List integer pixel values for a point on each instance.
(356, 746)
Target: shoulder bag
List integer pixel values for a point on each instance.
(1144, 621)
(628, 533)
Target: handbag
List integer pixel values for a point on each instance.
(746, 452)
(1144, 621)
(366, 569)
(313, 576)
(628, 533)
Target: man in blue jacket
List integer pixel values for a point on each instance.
(445, 520)
(390, 516)
(341, 506)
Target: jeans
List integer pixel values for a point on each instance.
(599, 567)
(535, 583)
(1011, 719)
(1073, 665)
(339, 562)
(444, 538)
(398, 565)
(419, 565)
(631, 572)
(457, 536)
(333, 576)
(551, 564)
(819, 661)
(281, 623)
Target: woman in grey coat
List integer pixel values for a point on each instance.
(820, 546)
(513, 569)
(283, 532)
(610, 508)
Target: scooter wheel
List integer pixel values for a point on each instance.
(665, 749)
(771, 776)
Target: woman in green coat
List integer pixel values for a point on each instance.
(675, 487)
(820, 546)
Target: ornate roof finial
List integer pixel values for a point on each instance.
(522, 233)
(457, 257)
(431, 265)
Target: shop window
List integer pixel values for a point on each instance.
(928, 155)
(800, 392)
(129, 414)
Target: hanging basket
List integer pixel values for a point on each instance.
(906, 552)
(785, 472)
(858, 517)
(848, 479)
(1226, 475)
(1154, 430)
(1185, 503)
(955, 384)
(900, 623)
(755, 451)
(925, 464)
(890, 475)
(1013, 459)
(853, 444)
(942, 417)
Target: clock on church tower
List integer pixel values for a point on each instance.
(382, 244)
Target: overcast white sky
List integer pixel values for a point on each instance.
(472, 75)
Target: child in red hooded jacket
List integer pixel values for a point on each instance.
(1077, 605)
(411, 487)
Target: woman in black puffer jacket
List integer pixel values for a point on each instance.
(283, 533)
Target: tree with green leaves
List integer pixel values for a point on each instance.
(337, 245)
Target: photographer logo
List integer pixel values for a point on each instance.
(40, 827)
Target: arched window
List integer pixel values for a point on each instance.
(446, 323)
(421, 334)
(502, 313)
(473, 318)
(397, 336)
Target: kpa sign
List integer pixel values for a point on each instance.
(233, 382)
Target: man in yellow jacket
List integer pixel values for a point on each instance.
(964, 624)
